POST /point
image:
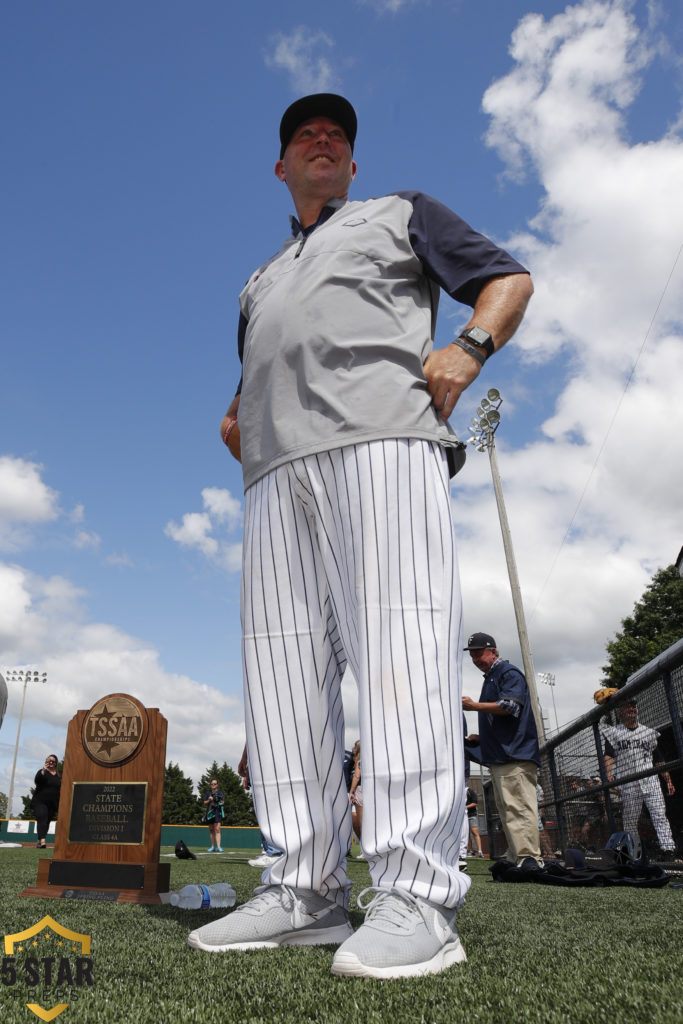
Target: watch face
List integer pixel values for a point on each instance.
(478, 335)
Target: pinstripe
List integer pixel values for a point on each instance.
(429, 838)
(413, 495)
(360, 569)
(385, 876)
(252, 561)
(293, 663)
(272, 695)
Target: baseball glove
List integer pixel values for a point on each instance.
(604, 693)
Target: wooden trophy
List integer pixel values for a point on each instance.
(109, 821)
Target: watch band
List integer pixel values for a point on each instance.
(478, 353)
(480, 338)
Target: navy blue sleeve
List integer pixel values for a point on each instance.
(454, 255)
(512, 686)
(241, 334)
(609, 749)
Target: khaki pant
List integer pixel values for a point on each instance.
(514, 786)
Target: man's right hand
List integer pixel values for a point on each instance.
(448, 371)
(230, 425)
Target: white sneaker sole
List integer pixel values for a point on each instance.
(348, 965)
(306, 937)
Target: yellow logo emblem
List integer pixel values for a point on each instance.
(40, 958)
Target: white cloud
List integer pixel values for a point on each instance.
(87, 539)
(196, 529)
(14, 602)
(602, 248)
(223, 506)
(299, 54)
(122, 560)
(24, 499)
(194, 532)
(389, 6)
(42, 622)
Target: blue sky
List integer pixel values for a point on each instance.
(138, 194)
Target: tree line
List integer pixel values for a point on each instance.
(655, 623)
(182, 806)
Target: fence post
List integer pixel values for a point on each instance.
(609, 810)
(559, 810)
(673, 712)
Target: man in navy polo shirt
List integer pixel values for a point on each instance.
(509, 746)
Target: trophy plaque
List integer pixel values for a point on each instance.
(109, 820)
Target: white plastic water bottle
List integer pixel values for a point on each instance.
(201, 897)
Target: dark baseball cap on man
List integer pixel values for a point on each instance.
(479, 642)
(320, 104)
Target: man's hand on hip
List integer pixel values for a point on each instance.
(448, 372)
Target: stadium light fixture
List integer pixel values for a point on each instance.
(482, 434)
(24, 676)
(549, 679)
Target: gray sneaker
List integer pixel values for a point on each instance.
(402, 936)
(276, 916)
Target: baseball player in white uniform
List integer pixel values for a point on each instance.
(340, 423)
(630, 749)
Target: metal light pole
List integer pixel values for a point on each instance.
(549, 679)
(482, 430)
(3, 697)
(20, 676)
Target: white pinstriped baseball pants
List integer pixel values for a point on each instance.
(649, 790)
(349, 557)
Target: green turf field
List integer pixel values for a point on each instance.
(535, 954)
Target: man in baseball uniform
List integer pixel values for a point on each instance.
(509, 746)
(340, 422)
(630, 748)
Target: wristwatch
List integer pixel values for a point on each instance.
(481, 340)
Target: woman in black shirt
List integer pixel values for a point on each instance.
(46, 797)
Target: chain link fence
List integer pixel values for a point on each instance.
(618, 767)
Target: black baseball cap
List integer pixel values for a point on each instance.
(320, 104)
(479, 642)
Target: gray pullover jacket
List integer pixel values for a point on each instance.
(335, 328)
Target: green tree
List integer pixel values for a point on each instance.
(655, 624)
(180, 805)
(3, 805)
(238, 807)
